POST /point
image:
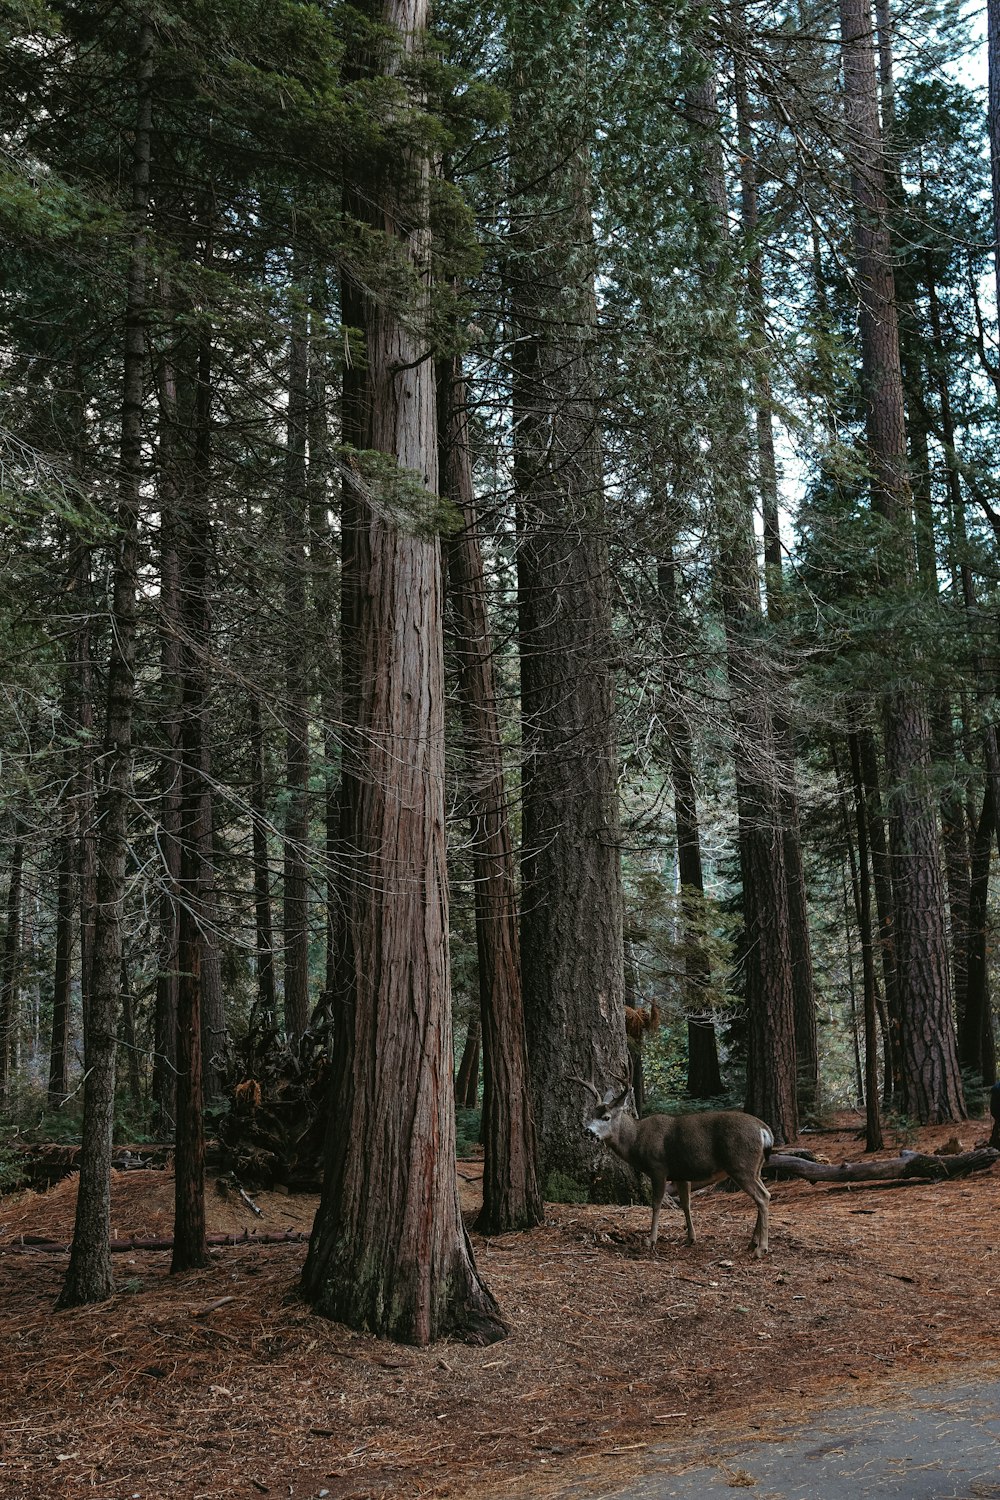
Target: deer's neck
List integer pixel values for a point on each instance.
(622, 1138)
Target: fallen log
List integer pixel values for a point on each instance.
(37, 1242)
(909, 1165)
(41, 1165)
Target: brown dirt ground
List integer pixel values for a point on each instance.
(159, 1393)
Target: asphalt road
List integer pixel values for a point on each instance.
(939, 1442)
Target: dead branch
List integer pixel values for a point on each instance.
(32, 1242)
(908, 1165)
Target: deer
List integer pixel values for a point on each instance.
(691, 1149)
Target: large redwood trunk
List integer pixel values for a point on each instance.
(572, 944)
(388, 1250)
(930, 1080)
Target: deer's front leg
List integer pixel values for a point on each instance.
(659, 1187)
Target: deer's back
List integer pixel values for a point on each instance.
(697, 1147)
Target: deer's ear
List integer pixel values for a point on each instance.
(618, 1101)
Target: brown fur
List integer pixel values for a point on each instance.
(639, 1020)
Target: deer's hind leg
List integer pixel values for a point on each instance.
(684, 1198)
(754, 1188)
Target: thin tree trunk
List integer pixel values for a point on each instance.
(511, 1199)
(323, 590)
(771, 1053)
(213, 1012)
(261, 868)
(62, 982)
(10, 966)
(467, 1081)
(873, 1122)
(993, 119)
(804, 997)
(190, 1247)
(704, 1079)
(89, 1277)
(129, 1041)
(295, 907)
(957, 826)
(165, 1011)
(75, 760)
(976, 1048)
(882, 882)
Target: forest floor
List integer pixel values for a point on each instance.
(223, 1383)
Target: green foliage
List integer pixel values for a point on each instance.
(903, 1128)
(12, 1175)
(977, 1093)
(398, 496)
(468, 1123)
(561, 1188)
(667, 931)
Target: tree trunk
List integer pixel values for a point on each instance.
(89, 1278)
(803, 991)
(388, 1251)
(10, 966)
(511, 1199)
(261, 868)
(873, 1122)
(323, 593)
(295, 908)
(128, 1040)
(170, 485)
(771, 1052)
(63, 978)
(214, 1031)
(190, 1250)
(993, 119)
(882, 882)
(467, 1081)
(976, 1050)
(74, 714)
(931, 1083)
(704, 1079)
(572, 946)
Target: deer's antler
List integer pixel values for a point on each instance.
(591, 1087)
